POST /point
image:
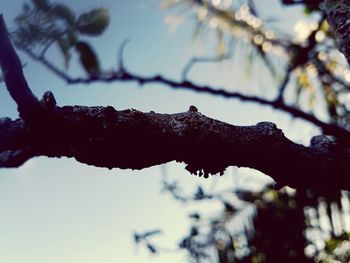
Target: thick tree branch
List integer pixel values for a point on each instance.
(104, 137)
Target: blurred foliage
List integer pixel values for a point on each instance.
(88, 58)
(268, 225)
(306, 60)
(42, 24)
(93, 22)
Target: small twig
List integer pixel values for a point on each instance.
(283, 85)
(48, 45)
(44, 61)
(301, 57)
(324, 71)
(208, 59)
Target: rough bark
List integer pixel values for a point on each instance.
(338, 16)
(105, 137)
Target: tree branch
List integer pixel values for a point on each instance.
(104, 137)
(28, 104)
(338, 12)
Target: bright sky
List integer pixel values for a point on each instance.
(58, 210)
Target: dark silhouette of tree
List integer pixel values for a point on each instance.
(106, 137)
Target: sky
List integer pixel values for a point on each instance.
(58, 210)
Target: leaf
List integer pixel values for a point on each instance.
(64, 45)
(64, 12)
(93, 22)
(88, 58)
(21, 18)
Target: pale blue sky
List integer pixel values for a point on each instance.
(58, 210)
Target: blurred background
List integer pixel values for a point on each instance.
(58, 210)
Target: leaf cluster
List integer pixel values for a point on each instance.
(42, 23)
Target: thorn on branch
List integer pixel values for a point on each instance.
(121, 66)
(48, 100)
(193, 109)
(195, 60)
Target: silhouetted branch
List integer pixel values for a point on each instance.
(28, 104)
(107, 138)
(60, 73)
(325, 73)
(283, 85)
(195, 60)
(51, 41)
(104, 137)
